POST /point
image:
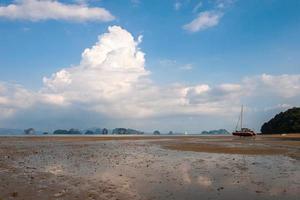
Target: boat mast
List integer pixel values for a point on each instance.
(242, 116)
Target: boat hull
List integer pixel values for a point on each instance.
(243, 133)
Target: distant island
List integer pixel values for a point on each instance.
(284, 122)
(104, 131)
(215, 132)
(72, 131)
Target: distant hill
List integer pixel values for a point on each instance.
(96, 130)
(122, 131)
(216, 132)
(284, 122)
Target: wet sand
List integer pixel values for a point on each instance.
(150, 167)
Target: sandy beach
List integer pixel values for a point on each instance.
(149, 167)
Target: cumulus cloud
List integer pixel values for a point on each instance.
(284, 86)
(107, 77)
(36, 10)
(204, 20)
(14, 97)
(111, 80)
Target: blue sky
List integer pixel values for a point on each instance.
(237, 40)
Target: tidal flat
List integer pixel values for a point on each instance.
(149, 167)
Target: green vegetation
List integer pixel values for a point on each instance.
(124, 131)
(29, 131)
(59, 131)
(284, 122)
(104, 131)
(89, 132)
(156, 132)
(216, 132)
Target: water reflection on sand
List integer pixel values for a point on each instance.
(143, 170)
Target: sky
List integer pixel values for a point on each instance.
(180, 65)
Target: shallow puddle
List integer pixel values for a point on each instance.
(144, 170)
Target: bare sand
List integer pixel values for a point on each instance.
(150, 167)
(288, 145)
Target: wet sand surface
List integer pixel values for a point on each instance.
(134, 167)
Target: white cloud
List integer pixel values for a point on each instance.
(278, 106)
(135, 2)
(108, 75)
(177, 5)
(111, 80)
(167, 63)
(223, 94)
(203, 21)
(284, 86)
(187, 67)
(208, 19)
(174, 64)
(14, 97)
(197, 7)
(221, 4)
(36, 10)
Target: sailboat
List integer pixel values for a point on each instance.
(242, 131)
